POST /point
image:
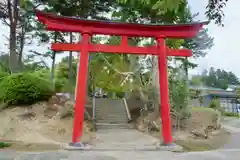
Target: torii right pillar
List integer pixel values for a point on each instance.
(164, 96)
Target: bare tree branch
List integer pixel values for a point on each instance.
(40, 54)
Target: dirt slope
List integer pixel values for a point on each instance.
(41, 123)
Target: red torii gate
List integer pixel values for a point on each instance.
(89, 27)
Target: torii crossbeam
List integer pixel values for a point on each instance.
(90, 27)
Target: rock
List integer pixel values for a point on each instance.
(59, 98)
(66, 114)
(149, 123)
(39, 105)
(89, 126)
(69, 104)
(142, 128)
(62, 131)
(54, 100)
(3, 106)
(67, 110)
(86, 138)
(54, 107)
(200, 132)
(141, 125)
(216, 123)
(63, 97)
(27, 115)
(51, 110)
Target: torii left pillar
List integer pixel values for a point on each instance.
(81, 91)
(164, 96)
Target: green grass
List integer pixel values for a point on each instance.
(4, 145)
(193, 147)
(230, 114)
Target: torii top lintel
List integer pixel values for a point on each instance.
(69, 24)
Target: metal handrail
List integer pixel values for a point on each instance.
(94, 108)
(94, 112)
(127, 109)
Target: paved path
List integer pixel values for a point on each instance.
(124, 139)
(121, 155)
(233, 126)
(129, 145)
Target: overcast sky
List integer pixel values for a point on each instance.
(224, 54)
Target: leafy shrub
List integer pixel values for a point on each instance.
(24, 88)
(3, 75)
(62, 85)
(43, 73)
(178, 94)
(215, 104)
(120, 94)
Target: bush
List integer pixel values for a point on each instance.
(43, 73)
(178, 94)
(3, 75)
(215, 104)
(24, 88)
(120, 94)
(62, 85)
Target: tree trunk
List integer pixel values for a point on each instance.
(155, 85)
(22, 38)
(53, 67)
(13, 64)
(70, 71)
(13, 14)
(53, 61)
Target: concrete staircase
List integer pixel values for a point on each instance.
(111, 113)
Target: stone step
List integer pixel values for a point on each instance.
(112, 120)
(110, 110)
(112, 114)
(114, 126)
(102, 117)
(111, 117)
